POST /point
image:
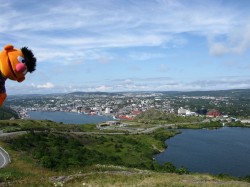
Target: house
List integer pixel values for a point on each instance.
(125, 117)
(213, 113)
(183, 112)
(135, 113)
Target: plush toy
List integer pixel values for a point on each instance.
(14, 64)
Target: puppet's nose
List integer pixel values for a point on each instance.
(21, 68)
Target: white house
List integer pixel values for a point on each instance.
(185, 112)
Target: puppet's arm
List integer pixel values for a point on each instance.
(2, 98)
(3, 94)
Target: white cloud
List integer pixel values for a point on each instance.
(47, 85)
(218, 49)
(141, 56)
(137, 84)
(120, 23)
(63, 32)
(236, 42)
(55, 31)
(103, 88)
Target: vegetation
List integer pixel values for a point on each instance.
(153, 116)
(235, 103)
(57, 151)
(7, 113)
(210, 125)
(52, 154)
(238, 124)
(42, 125)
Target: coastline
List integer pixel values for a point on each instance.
(68, 117)
(181, 150)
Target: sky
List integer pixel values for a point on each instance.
(129, 45)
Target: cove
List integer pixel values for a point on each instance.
(221, 151)
(68, 117)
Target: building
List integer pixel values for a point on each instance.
(213, 113)
(108, 123)
(125, 117)
(107, 110)
(185, 112)
(79, 109)
(135, 113)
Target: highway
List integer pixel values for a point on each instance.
(4, 158)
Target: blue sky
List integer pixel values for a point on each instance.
(130, 45)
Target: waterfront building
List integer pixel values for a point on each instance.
(107, 110)
(213, 113)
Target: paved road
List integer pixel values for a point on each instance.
(11, 134)
(4, 158)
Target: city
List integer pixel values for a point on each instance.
(141, 143)
(128, 105)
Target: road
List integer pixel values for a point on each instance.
(11, 134)
(128, 130)
(4, 158)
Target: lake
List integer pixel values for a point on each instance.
(225, 150)
(68, 117)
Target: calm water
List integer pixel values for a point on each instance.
(69, 117)
(225, 150)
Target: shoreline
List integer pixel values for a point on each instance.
(200, 172)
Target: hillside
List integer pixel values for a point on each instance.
(245, 93)
(52, 154)
(7, 113)
(214, 93)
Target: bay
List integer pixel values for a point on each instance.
(222, 151)
(68, 117)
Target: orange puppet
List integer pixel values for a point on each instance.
(14, 64)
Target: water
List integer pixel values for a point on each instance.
(225, 150)
(69, 117)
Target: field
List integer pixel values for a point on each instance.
(52, 154)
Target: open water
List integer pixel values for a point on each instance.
(69, 117)
(222, 151)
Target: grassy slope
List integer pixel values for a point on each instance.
(26, 171)
(7, 113)
(150, 180)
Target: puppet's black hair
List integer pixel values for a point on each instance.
(29, 59)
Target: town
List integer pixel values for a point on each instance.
(128, 105)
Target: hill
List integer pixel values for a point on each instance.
(52, 154)
(235, 93)
(7, 113)
(92, 93)
(245, 93)
(215, 93)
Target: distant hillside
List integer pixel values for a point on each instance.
(215, 93)
(7, 113)
(243, 93)
(93, 93)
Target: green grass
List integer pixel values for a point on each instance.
(42, 125)
(60, 150)
(211, 125)
(94, 160)
(151, 180)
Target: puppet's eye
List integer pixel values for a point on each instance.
(20, 59)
